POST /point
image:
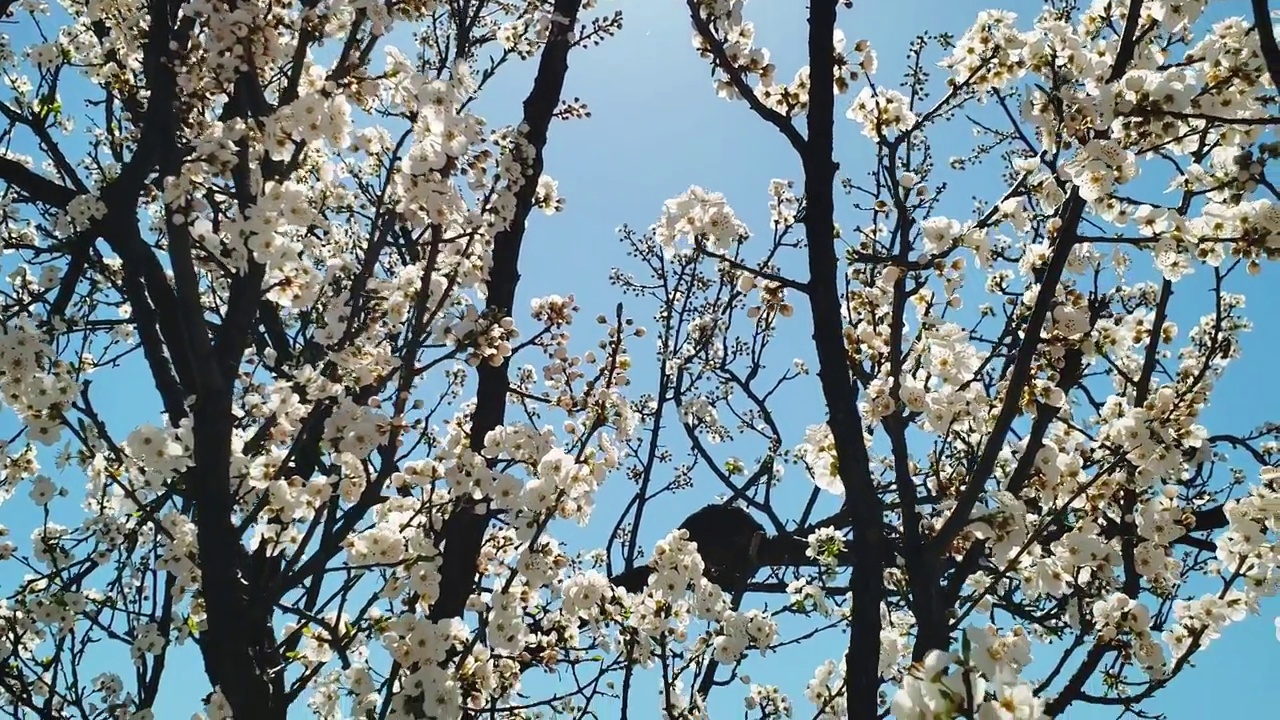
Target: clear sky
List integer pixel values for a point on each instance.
(658, 128)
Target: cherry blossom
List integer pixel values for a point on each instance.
(363, 472)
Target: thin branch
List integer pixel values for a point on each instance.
(768, 114)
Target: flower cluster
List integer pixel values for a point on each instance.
(881, 111)
(991, 53)
(701, 218)
(35, 385)
(731, 47)
(773, 298)
(944, 685)
(485, 340)
(818, 451)
(307, 240)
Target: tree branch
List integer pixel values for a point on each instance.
(35, 186)
(768, 114)
(1267, 40)
(464, 530)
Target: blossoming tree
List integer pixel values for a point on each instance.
(349, 506)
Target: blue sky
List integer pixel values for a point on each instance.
(658, 128)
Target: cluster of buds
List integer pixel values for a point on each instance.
(553, 310)
(773, 298)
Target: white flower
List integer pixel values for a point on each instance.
(825, 545)
(881, 112)
(819, 453)
(43, 490)
(1013, 702)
